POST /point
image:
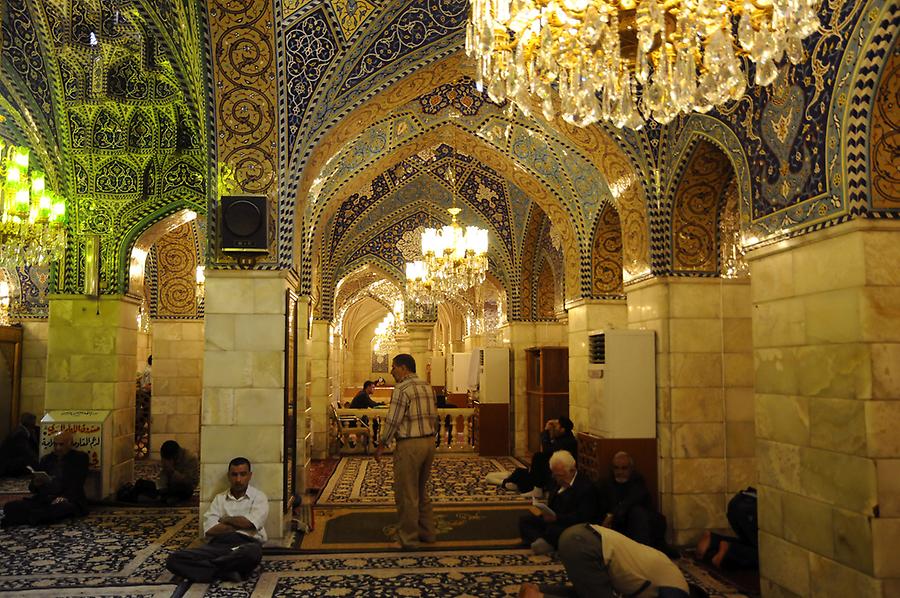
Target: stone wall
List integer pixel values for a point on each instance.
(34, 366)
(704, 373)
(826, 327)
(177, 383)
(243, 383)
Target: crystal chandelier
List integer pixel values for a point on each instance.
(626, 61)
(455, 259)
(418, 285)
(385, 339)
(32, 218)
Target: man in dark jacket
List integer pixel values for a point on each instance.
(20, 449)
(557, 436)
(626, 502)
(58, 492)
(572, 500)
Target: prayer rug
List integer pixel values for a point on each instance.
(485, 574)
(108, 548)
(454, 479)
(719, 583)
(458, 527)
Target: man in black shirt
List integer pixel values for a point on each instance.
(363, 399)
(58, 492)
(625, 500)
(20, 449)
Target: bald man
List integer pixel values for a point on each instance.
(57, 495)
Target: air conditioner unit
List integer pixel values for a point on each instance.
(493, 381)
(622, 383)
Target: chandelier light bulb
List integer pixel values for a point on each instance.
(526, 48)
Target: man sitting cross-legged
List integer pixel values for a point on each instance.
(235, 531)
(572, 500)
(57, 487)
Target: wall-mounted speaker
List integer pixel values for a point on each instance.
(244, 224)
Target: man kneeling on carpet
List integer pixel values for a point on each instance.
(235, 531)
(57, 487)
(599, 561)
(573, 499)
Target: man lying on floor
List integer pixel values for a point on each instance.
(235, 531)
(57, 487)
(599, 561)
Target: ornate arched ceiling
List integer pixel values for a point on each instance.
(108, 95)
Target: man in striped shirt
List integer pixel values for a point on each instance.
(411, 418)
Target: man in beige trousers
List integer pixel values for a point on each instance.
(411, 419)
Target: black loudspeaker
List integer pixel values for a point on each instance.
(243, 224)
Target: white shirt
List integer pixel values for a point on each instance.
(254, 505)
(633, 566)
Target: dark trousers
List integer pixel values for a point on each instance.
(636, 524)
(532, 527)
(223, 554)
(37, 511)
(740, 555)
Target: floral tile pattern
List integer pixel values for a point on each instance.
(454, 479)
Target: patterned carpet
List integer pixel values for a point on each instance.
(109, 547)
(459, 527)
(484, 574)
(454, 479)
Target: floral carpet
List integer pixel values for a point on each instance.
(484, 574)
(454, 479)
(458, 527)
(109, 547)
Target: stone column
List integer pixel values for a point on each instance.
(586, 316)
(319, 383)
(826, 328)
(34, 366)
(178, 347)
(415, 342)
(243, 383)
(91, 346)
(703, 370)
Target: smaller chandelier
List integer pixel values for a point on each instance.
(627, 61)
(385, 339)
(455, 259)
(32, 218)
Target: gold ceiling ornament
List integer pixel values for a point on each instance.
(32, 217)
(625, 61)
(454, 259)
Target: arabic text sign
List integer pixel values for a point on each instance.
(87, 437)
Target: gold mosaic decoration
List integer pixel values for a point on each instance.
(176, 258)
(884, 142)
(606, 256)
(246, 96)
(696, 209)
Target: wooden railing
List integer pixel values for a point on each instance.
(358, 430)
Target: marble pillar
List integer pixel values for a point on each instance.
(826, 340)
(587, 316)
(319, 386)
(178, 347)
(91, 346)
(704, 372)
(243, 383)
